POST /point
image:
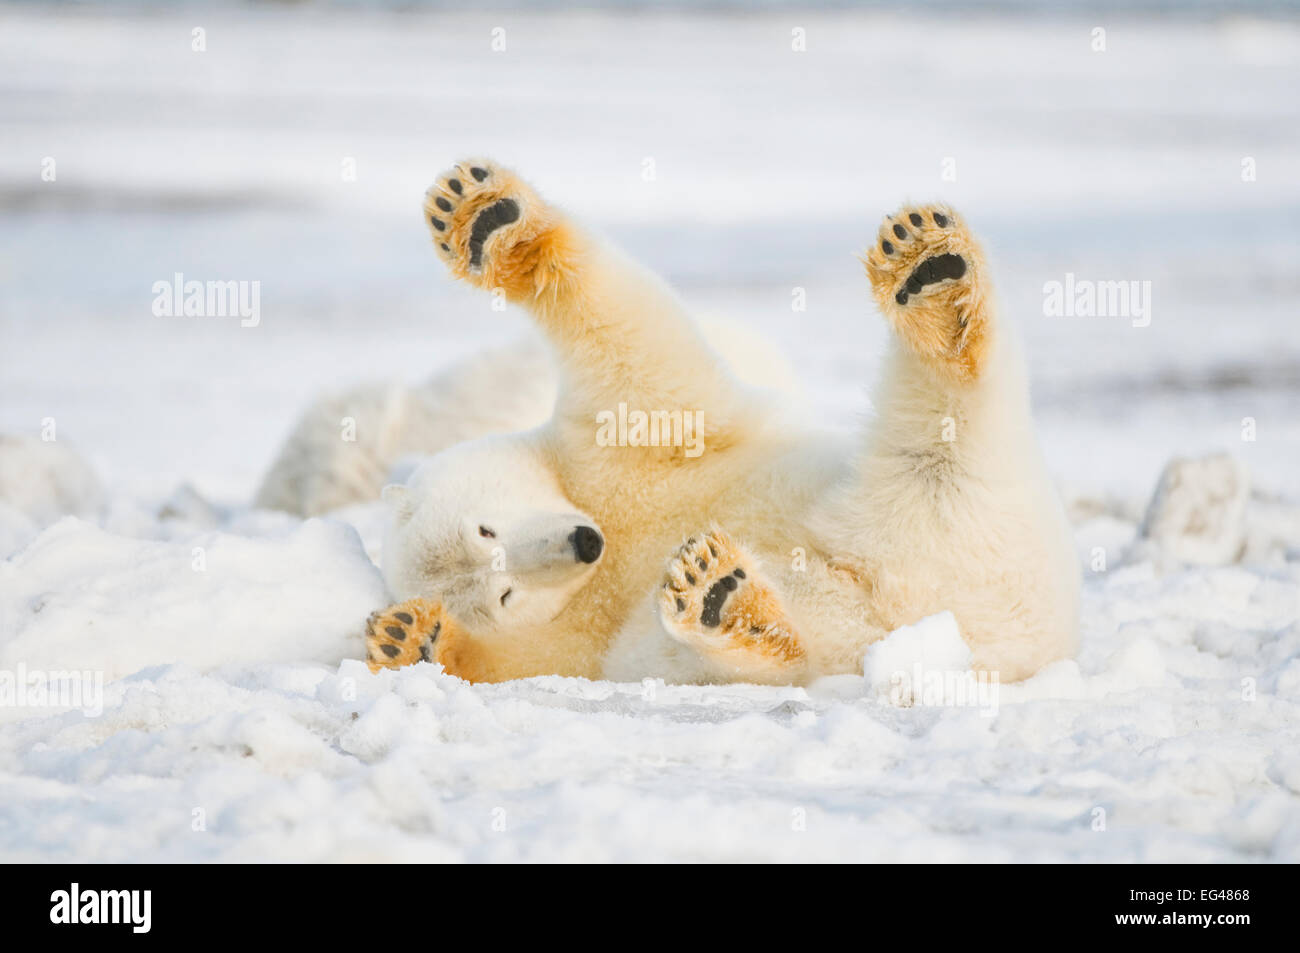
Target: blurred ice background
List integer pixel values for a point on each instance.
(772, 168)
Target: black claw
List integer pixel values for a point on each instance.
(425, 654)
(446, 247)
(404, 617)
(390, 650)
(900, 231)
(940, 219)
(396, 631)
(703, 564)
(681, 605)
(437, 627)
(739, 574)
(916, 219)
(442, 203)
(887, 248)
(901, 297)
(454, 185)
(438, 223)
(690, 579)
(479, 174)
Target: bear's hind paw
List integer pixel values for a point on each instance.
(926, 274)
(488, 226)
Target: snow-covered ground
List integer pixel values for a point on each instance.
(225, 716)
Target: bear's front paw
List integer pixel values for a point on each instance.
(403, 634)
(488, 225)
(714, 600)
(926, 274)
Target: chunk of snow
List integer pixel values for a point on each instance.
(45, 480)
(910, 660)
(1198, 512)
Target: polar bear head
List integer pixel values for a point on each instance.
(484, 528)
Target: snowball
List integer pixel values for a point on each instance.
(917, 661)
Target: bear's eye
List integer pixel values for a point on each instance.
(486, 533)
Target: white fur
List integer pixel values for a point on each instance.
(858, 536)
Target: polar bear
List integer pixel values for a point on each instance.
(772, 554)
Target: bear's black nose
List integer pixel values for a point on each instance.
(587, 544)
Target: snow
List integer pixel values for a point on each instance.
(233, 721)
(1198, 512)
(82, 598)
(925, 663)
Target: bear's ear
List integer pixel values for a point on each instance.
(398, 498)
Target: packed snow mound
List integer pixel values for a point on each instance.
(80, 598)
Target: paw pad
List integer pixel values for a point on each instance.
(913, 258)
(701, 577)
(403, 634)
(927, 277)
(466, 206)
(714, 602)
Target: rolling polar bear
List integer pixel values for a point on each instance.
(668, 521)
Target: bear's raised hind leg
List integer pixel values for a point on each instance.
(928, 277)
(717, 602)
